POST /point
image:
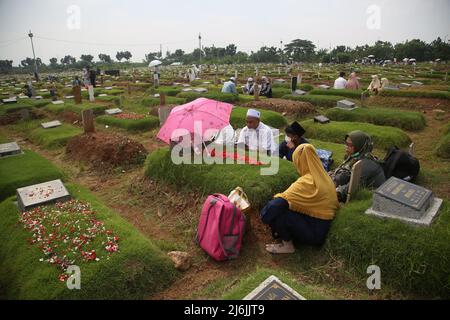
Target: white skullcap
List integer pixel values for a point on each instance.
(250, 79)
(253, 113)
(233, 79)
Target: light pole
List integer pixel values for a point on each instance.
(36, 75)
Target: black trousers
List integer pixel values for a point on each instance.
(289, 225)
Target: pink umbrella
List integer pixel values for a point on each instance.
(211, 114)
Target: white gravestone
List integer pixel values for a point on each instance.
(9, 149)
(273, 289)
(51, 124)
(58, 102)
(113, 111)
(43, 193)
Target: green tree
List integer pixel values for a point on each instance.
(300, 50)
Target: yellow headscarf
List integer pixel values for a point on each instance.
(314, 193)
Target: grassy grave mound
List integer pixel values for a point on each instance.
(411, 258)
(112, 99)
(246, 285)
(383, 137)
(270, 118)
(355, 94)
(416, 94)
(76, 108)
(23, 170)
(224, 97)
(406, 120)
(130, 121)
(154, 102)
(221, 178)
(54, 137)
(443, 147)
(304, 86)
(24, 104)
(169, 91)
(316, 100)
(137, 270)
(106, 150)
(296, 108)
(280, 92)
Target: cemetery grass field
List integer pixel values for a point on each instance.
(155, 206)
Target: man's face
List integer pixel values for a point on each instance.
(252, 123)
(349, 148)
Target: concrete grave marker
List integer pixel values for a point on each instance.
(391, 88)
(10, 100)
(273, 289)
(103, 95)
(38, 97)
(416, 83)
(200, 90)
(51, 124)
(9, 149)
(321, 119)
(324, 86)
(398, 199)
(404, 85)
(186, 90)
(345, 104)
(58, 102)
(69, 97)
(113, 111)
(43, 193)
(299, 92)
(76, 91)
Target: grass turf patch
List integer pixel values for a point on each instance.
(54, 137)
(406, 120)
(23, 170)
(355, 94)
(270, 118)
(383, 137)
(443, 147)
(76, 108)
(224, 97)
(252, 281)
(416, 94)
(316, 100)
(154, 102)
(411, 258)
(137, 271)
(146, 123)
(216, 178)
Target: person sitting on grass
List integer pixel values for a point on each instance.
(359, 146)
(353, 83)
(384, 83)
(294, 138)
(303, 213)
(266, 88)
(256, 135)
(230, 86)
(340, 82)
(249, 87)
(375, 85)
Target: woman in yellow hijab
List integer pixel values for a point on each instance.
(305, 210)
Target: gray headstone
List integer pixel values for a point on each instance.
(299, 92)
(69, 97)
(113, 111)
(273, 289)
(43, 193)
(103, 95)
(58, 102)
(200, 90)
(281, 81)
(186, 85)
(345, 104)
(321, 119)
(9, 149)
(106, 88)
(399, 199)
(187, 90)
(416, 83)
(38, 97)
(51, 124)
(404, 85)
(324, 86)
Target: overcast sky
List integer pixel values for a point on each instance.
(78, 27)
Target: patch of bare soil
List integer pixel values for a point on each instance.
(106, 150)
(287, 107)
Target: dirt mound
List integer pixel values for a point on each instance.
(15, 117)
(70, 117)
(288, 107)
(106, 151)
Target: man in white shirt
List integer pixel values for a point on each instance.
(256, 135)
(340, 83)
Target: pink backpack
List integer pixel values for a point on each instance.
(221, 228)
